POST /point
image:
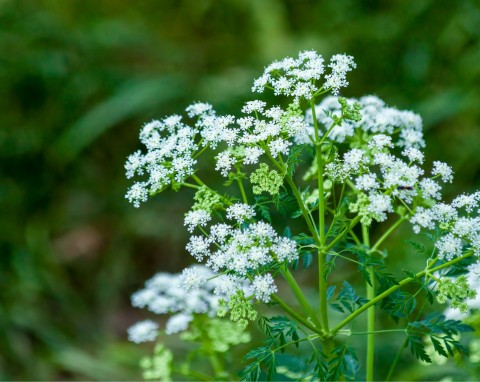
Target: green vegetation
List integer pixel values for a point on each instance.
(79, 78)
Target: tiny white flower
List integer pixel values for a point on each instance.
(430, 188)
(380, 141)
(137, 194)
(198, 247)
(178, 323)
(449, 247)
(367, 182)
(196, 218)
(224, 163)
(279, 146)
(263, 287)
(443, 170)
(414, 154)
(252, 153)
(254, 106)
(240, 212)
(198, 108)
(143, 331)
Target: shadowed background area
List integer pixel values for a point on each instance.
(78, 79)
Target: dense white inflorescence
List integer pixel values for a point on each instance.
(371, 149)
(197, 290)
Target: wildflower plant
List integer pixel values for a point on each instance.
(364, 165)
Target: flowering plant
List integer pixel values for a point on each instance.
(365, 167)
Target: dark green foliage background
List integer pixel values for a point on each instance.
(79, 77)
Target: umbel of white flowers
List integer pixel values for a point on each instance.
(378, 153)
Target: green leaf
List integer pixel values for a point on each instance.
(419, 247)
(347, 299)
(440, 331)
(343, 362)
(376, 264)
(399, 304)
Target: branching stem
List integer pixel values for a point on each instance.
(392, 289)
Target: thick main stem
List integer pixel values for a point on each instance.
(322, 254)
(370, 313)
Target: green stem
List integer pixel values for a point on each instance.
(393, 227)
(242, 190)
(371, 312)
(216, 365)
(189, 185)
(342, 234)
(392, 289)
(295, 315)
(300, 296)
(197, 179)
(322, 253)
(200, 152)
(378, 332)
(354, 237)
(303, 209)
(306, 215)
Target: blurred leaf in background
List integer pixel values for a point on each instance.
(79, 78)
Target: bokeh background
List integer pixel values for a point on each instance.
(77, 80)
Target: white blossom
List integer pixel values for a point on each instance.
(178, 323)
(198, 108)
(443, 170)
(224, 163)
(449, 247)
(196, 218)
(252, 153)
(143, 331)
(240, 212)
(263, 286)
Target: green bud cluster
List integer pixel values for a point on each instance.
(456, 291)
(361, 207)
(206, 199)
(158, 366)
(264, 180)
(219, 335)
(351, 113)
(240, 308)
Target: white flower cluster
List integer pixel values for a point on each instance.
(383, 155)
(295, 77)
(169, 157)
(171, 147)
(458, 221)
(266, 131)
(196, 290)
(244, 251)
(143, 331)
(377, 118)
(473, 279)
(196, 218)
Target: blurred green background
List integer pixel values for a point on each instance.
(78, 78)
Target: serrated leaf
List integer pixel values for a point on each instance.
(419, 247)
(347, 299)
(438, 347)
